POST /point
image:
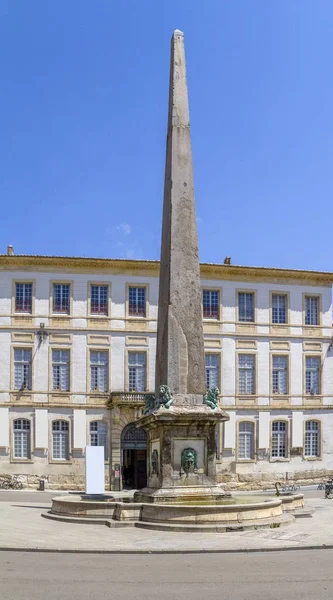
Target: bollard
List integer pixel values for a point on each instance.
(41, 485)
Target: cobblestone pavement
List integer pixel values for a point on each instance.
(21, 526)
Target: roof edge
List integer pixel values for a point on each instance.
(213, 270)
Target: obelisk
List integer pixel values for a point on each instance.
(180, 345)
(180, 420)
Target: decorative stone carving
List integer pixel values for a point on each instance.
(188, 461)
(154, 462)
(150, 404)
(211, 398)
(165, 397)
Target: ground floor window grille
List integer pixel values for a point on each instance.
(60, 440)
(279, 439)
(246, 440)
(98, 435)
(21, 430)
(311, 445)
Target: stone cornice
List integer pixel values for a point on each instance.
(150, 268)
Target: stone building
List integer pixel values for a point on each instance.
(77, 346)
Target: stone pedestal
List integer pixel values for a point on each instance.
(181, 444)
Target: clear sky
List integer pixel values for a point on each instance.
(83, 113)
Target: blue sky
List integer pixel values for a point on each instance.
(83, 113)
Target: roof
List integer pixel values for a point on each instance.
(151, 268)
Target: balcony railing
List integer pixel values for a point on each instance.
(136, 398)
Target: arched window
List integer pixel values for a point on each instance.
(312, 439)
(98, 435)
(246, 440)
(21, 432)
(60, 440)
(279, 439)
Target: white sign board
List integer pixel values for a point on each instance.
(95, 470)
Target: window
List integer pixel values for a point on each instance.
(98, 435)
(61, 298)
(311, 310)
(137, 371)
(212, 370)
(246, 306)
(311, 444)
(60, 440)
(22, 368)
(312, 375)
(279, 308)
(99, 299)
(21, 432)
(137, 301)
(98, 371)
(279, 439)
(60, 370)
(210, 304)
(246, 374)
(280, 375)
(246, 440)
(23, 297)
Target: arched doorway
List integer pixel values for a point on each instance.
(134, 457)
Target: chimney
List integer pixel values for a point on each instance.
(10, 250)
(227, 260)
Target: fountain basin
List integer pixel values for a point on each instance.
(221, 515)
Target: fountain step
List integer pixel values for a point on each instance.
(303, 513)
(274, 522)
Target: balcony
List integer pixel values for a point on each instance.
(127, 398)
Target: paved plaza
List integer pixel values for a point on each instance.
(272, 576)
(22, 527)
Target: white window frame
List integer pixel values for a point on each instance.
(64, 298)
(99, 379)
(22, 369)
(212, 371)
(212, 308)
(246, 308)
(140, 368)
(312, 310)
(279, 440)
(312, 434)
(139, 289)
(246, 440)
(103, 307)
(60, 440)
(279, 312)
(22, 439)
(243, 372)
(61, 370)
(280, 374)
(26, 297)
(312, 388)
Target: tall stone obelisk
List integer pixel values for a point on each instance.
(180, 346)
(180, 420)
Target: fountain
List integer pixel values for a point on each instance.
(181, 417)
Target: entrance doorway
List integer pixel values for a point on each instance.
(134, 457)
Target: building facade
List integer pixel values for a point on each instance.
(77, 348)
